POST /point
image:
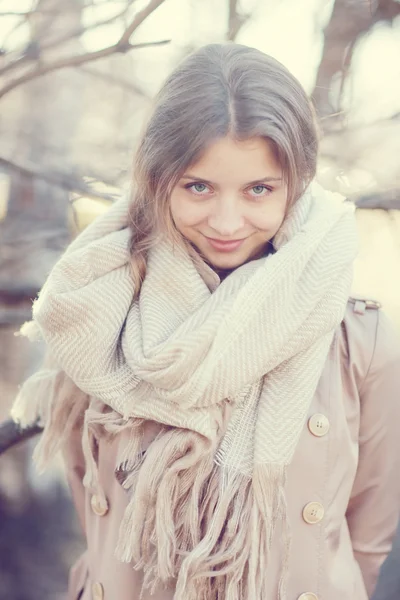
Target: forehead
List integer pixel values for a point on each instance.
(233, 160)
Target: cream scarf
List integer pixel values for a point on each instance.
(229, 368)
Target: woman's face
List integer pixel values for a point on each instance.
(234, 194)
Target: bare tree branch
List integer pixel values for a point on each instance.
(26, 14)
(74, 61)
(14, 316)
(23, 60)
(235, 20)
(67, 182)
(11, 434)
(136, 22)
(18, 62)
(385, 200)
(126, 85)
(123, 45)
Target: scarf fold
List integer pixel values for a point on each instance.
(229, 369)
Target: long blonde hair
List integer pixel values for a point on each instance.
(219, 90)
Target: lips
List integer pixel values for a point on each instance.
(225, 246)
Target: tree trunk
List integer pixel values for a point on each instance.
(350, 20)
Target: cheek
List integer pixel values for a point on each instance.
(268, 219)
(186, 213)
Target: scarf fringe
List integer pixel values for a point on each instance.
(50, 399)
(206, 528)
(100, 421)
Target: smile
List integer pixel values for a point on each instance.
(228, 246)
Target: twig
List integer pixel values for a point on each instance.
(123, 45)
(136, 22)
(25, 58)
(10, 13)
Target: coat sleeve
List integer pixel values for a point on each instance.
(374, 505)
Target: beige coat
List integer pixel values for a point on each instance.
(343, 487)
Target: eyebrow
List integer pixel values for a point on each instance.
(261, 180)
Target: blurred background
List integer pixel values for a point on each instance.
(77, 78)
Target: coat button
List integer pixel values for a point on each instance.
(308, 596)
(313, 512)
(99, 506)
(318, 424)
(97, 591)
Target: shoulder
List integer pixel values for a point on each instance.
(369, 342)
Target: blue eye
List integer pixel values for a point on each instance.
(260, 190)
(198, 188)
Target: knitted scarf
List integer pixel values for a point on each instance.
(228, 368)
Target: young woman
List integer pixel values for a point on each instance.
(226, 412)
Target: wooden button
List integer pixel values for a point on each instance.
(97, 591)
(313, 512)
(99, 506)
(318, 424)
(308, 596)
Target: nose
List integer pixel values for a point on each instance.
(226, 217)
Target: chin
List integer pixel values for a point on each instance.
(229, 261)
